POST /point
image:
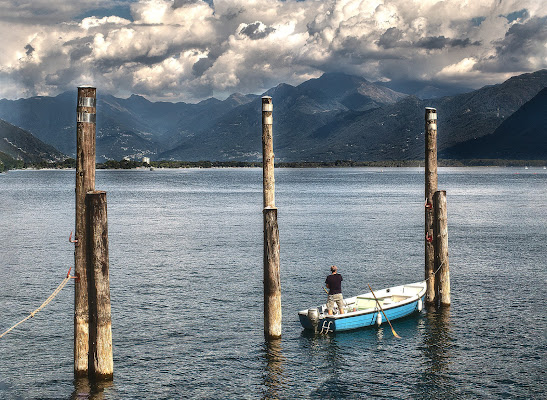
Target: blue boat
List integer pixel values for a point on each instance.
(362, 310)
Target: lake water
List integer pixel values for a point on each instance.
(186, 284)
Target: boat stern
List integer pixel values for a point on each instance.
(310, 318)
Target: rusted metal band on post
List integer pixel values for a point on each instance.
(430, 114)
(87, 101)
(86, 117)
(267, 109)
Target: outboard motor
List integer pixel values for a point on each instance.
(313, 316)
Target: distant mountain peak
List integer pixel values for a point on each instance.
(138, 97)
(341, 75)
(240, 98)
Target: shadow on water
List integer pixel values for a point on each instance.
(85, 389)
(435, 381)
(274, 373)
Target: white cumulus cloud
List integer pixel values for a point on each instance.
(192, 49)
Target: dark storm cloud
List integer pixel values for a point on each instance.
(29, 50)
(432, 42)
(80, 52)
(440, 42)
(79, 48)
(521, 37)
(464, 43)
(182, 3)
(254, 31)
(202, 65)
(521, 44)
(392, 38)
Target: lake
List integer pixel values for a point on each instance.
(187, 297)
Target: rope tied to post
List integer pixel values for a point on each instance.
(440, 266)
(45, 303)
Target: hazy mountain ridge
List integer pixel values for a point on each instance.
(132, 127)
(310, 127)
(396, 131)
(21, 145)
(298, 112)
(334, 117)
(521, 136)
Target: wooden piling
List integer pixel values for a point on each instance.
(430, 189)
(442, 278)
(272, 279)
(85, 182)
(101, 366)
(267, 152)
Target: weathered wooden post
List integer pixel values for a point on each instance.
(85, 182)
(101, 365)
(430, 189)
(442, 278)
(272, 279)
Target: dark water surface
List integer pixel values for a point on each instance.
(186, 284)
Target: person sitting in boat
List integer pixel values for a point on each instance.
(334, 284)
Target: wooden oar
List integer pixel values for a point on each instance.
(381, 309)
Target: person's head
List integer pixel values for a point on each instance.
(333, 269)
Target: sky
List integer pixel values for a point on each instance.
(190, 50)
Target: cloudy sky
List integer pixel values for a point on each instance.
(189, 50)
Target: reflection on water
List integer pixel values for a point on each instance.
(437, 352)
(273, 378)
(84, 389)
(327, 363)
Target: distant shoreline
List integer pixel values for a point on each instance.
(127, 164)
(124, 164)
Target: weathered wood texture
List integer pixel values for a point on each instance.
(267, 152)
(442, 278)
(430, 189)
(272, 280)
(101, 366)
(85, 182)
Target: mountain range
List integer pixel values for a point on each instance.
(334, 117)
(21, 145)
(523, 135)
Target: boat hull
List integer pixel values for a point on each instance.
(362, 311)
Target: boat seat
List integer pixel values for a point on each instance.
(365, 302)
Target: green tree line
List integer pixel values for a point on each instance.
(7, 163)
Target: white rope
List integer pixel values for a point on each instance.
(45, 303)
(440, 266)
